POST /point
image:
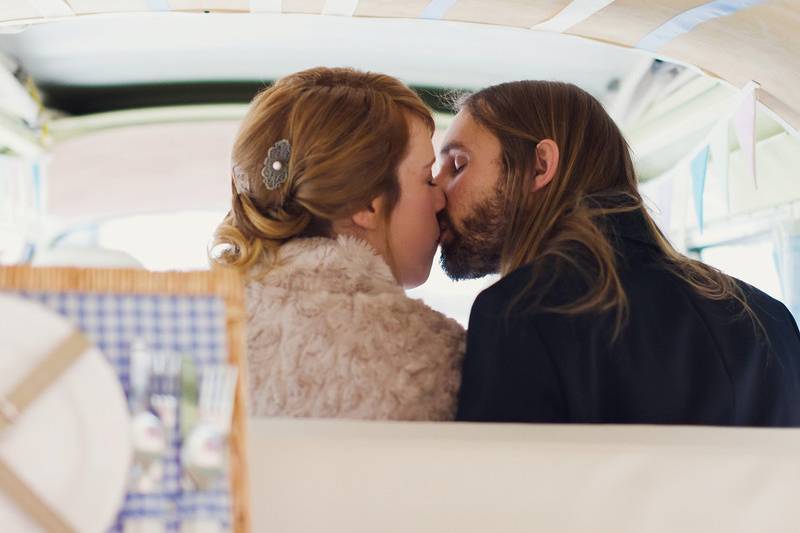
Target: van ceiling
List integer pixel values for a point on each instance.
(94, 63)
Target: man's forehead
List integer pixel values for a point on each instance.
(463, 134)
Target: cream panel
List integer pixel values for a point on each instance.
(18, 11)
(313, 7)
(215, 5)
(81, 7)
(390, 8)
(522, 13)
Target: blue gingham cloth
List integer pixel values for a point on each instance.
(192, 325)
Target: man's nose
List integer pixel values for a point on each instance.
(442, 180)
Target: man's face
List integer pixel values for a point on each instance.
(473, 224)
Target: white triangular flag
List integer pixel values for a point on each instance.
(659, 199)
(720, 154)
(745, 123)
(698, 169)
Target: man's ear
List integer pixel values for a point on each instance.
(546, 163)
(369, 217)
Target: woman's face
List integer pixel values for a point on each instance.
(413, 233)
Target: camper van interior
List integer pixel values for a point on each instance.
(117, 121)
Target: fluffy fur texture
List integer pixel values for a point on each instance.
(332, 334)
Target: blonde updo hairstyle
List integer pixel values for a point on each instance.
(348, 132)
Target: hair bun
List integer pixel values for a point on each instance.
(275, 223)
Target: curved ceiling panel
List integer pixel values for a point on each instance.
(740, 40)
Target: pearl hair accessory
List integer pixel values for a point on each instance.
(240, 180)
(276, 165)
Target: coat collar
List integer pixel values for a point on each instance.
(341, 265)
(629, 226)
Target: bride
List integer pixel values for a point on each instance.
(334, 213)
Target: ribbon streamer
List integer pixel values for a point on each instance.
(688, 20)
(573, 14)
(437, 8)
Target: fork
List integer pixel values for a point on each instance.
(165, 390)
(149, 441)
(204, 452)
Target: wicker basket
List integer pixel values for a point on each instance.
(224, 284)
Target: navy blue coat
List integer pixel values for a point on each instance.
(679, 359)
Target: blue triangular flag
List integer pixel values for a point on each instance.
(699, 167)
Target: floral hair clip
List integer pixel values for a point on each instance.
(240, 180)
(276, 165)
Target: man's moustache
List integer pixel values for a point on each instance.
(444, 220)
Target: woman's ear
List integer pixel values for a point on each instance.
(369, 217)
(546, 163)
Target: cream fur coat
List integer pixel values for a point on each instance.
(330, 333)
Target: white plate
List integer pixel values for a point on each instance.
(72, 446)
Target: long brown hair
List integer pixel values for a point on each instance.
(595, 177)
(348, 132)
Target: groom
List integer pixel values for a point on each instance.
(596, 318)
(475, 176)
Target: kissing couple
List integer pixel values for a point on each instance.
(596, 318)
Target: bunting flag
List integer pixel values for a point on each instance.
(745, 124)
(699, 167)
(38, 185)
(717, 139)
(786, 255)
(790, 277)
(720, 154)
(659, 195)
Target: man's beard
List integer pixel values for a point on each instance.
(475, 251)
